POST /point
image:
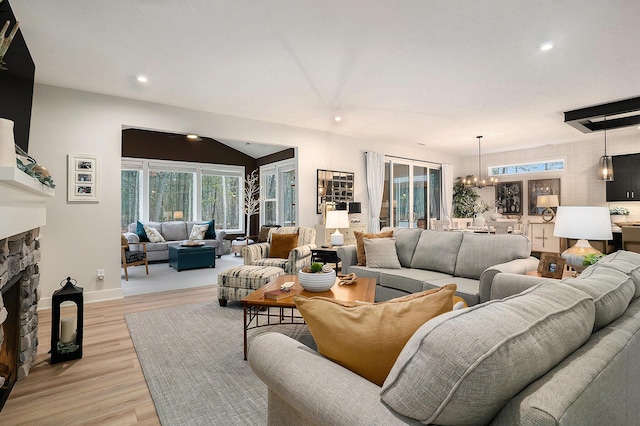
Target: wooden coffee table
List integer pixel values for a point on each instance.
(257, 307)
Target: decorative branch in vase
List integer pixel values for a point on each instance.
(251, 198)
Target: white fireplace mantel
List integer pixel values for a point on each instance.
(23, 202)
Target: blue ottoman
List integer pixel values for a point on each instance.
(192, 257)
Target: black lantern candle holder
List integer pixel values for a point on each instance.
(66, 333)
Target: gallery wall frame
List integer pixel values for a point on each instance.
(542, 187)
(509, 197)
(82, 178)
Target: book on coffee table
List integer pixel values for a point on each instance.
(278, 294)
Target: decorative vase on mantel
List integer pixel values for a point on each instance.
(7, 144)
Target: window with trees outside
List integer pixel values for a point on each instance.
(278, 194)
(162, 191)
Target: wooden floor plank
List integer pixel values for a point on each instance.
(106, 386)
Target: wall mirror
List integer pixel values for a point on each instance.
(333, 187)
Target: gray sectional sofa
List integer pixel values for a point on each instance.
(558, 353)
(431, 259)
(174, 233)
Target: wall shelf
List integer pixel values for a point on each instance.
(16, 177)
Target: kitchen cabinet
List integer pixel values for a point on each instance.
(626, 178)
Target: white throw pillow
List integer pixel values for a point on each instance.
(381, 253)
(154, 235)
(198, 231)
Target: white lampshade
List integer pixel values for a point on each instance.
(547, 201)
(582, 223)
(337, 219)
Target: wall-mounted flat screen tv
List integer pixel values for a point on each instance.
(16, 81)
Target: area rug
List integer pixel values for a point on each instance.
(192, 360)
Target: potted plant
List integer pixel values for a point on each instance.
(591, 258)
(317, 277)
(464, 200)
(618, 214)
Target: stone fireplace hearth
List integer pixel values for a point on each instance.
(19, 279)
(23, 209)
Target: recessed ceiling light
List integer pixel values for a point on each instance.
(337, 118)
(547, 45)
(193, 137)
(142, 79)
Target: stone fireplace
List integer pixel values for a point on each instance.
(19, 276)
(23, 204)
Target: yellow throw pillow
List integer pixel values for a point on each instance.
(360, 236)
(282, 244)
(367, 338)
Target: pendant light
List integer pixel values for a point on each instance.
(479, 181)
(605, 165)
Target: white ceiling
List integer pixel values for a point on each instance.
(436, 72)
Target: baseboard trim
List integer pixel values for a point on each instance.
(89, 297)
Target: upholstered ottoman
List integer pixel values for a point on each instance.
(241, 281)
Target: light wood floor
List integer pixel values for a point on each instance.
(106, 386)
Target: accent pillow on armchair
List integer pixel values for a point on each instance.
(291, 261)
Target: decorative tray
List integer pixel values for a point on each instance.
(192, 244)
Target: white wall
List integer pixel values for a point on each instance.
(79, 239)
(579, 184)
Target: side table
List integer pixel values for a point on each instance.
(325, 255)
(565, 274)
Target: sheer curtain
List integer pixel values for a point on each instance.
(375, 186)
(447, 192)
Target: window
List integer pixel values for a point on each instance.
(170, 196)
(538, 167)
(277, 194)
(222, 198)
(130, 195)
(162, 191)
(412, 194)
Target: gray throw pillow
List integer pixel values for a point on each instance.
(381, 253)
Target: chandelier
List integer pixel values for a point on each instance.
(479, 181)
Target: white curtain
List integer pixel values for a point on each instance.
(447, 192)
(375, 185)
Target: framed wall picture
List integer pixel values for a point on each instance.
(551, 266)
(542, 187)
(82, 178)
(509, 198)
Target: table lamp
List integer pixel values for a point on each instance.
(546, 202)
(582, 223)
(337, 219)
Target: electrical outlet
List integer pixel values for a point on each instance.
(100, 274)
